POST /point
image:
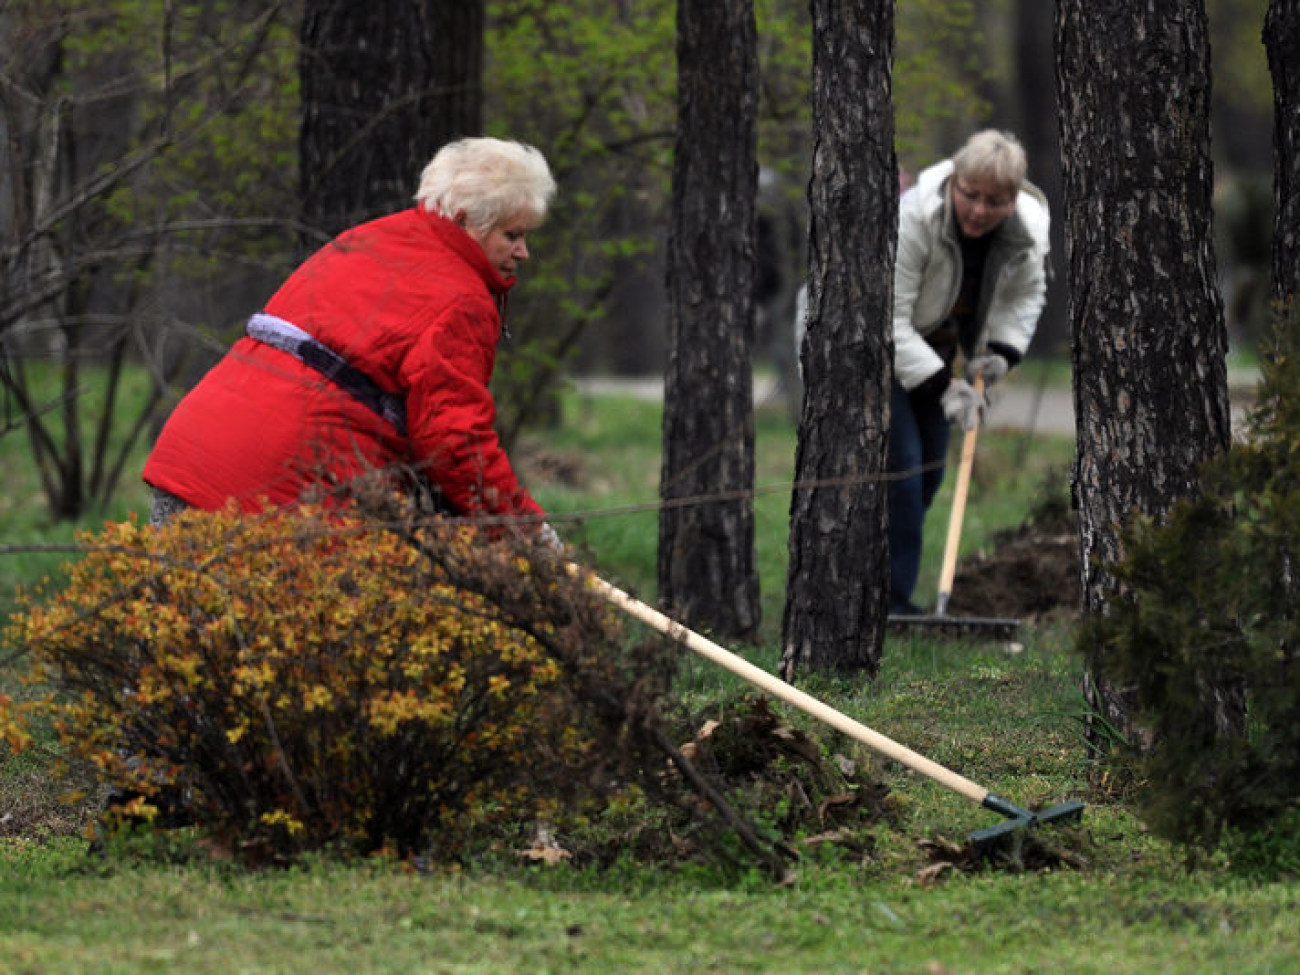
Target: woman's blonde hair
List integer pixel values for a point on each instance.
(994, 155)
(489, 181)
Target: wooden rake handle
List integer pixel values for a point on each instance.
(786, 692)
(957, 514)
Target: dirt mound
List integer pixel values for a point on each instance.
(540, 465)
(792, 789)
(1025, 572)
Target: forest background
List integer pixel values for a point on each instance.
(152, 190)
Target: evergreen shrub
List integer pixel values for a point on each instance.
(1206, 631)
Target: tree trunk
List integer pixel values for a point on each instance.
(1149, 340)
(707, 576)
(384, 84)
(1036, 82)
(1282, 40)
(838, 586)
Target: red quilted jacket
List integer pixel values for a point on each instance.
(411, 301)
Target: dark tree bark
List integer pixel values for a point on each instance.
(1282, 41)
(707, 576)
(384, 84)
(838, 585)
(1036, 82)
(1149, 340)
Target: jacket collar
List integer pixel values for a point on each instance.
(456, 239)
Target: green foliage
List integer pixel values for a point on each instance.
(299, 680)
(217, 82)
(198, 104)
(1241, 77)
(1269, 852)
(1207, 628)
(592, 84)
(938, 76)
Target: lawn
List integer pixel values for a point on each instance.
(1114, 899)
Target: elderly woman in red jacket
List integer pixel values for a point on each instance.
(376, 353)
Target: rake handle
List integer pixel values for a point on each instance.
(958, 513)
(786, 692)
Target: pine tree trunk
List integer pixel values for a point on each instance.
(707, 575)
(384, 84)
(1282, 40)
(838, 584)
(1149, 340)
(1035, 74)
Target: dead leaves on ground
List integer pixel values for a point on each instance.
(1027, 850)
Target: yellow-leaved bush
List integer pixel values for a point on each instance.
(303, 679)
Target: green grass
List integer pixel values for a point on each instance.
(615, 443)
(614, 515)
(1010, 721)
(330, 919)
(26, 524)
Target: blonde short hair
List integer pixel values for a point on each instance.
(489, 181)
(994, 155)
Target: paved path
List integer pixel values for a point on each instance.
(1023, 405)
(1020, 404)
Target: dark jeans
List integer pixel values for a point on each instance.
(164, 506)
(918, 445)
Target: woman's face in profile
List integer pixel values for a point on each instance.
(506, 244)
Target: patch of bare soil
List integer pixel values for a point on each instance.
(34, 804)
(540, 465)
(1026, 572)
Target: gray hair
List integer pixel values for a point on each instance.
(488, 180)
(994, 155)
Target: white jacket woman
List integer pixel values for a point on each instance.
(928, 269)
(970, 276)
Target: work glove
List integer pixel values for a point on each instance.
(991, 366)
(962, 405)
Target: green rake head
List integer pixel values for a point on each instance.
(991, 838)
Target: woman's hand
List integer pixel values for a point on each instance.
(991, 366)
(962, 404)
